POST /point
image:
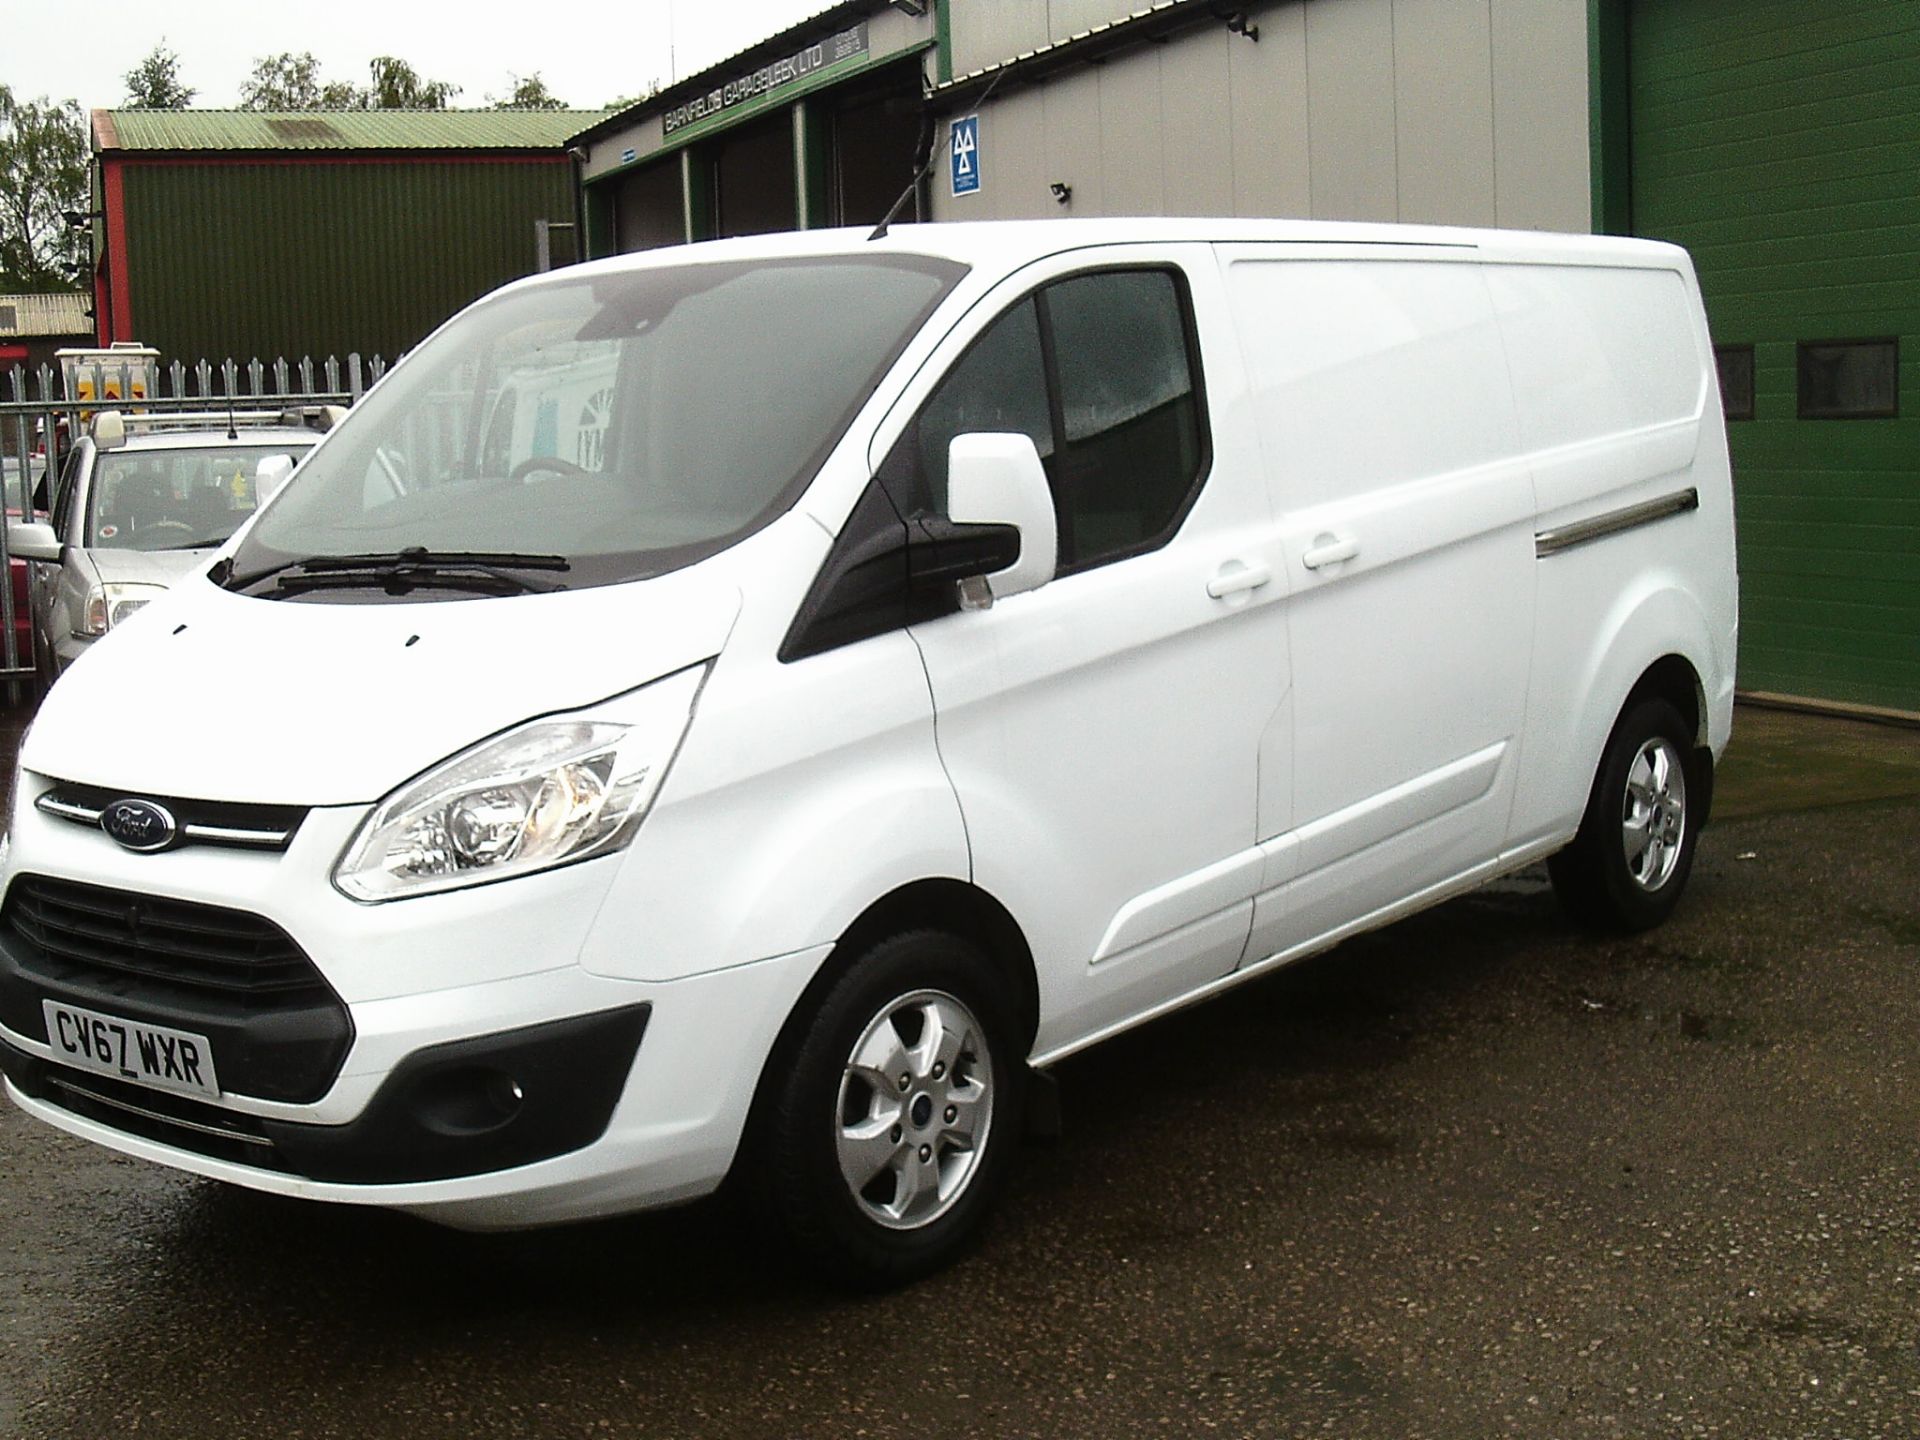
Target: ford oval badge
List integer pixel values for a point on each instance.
(140, 824)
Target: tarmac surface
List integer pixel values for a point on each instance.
(1475, 1175)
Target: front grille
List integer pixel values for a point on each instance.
(235, 979)
(177, 942)
(202, 822)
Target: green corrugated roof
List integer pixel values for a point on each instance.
(338, 129)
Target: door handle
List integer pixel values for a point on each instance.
(1233, 578)
(1330, 550)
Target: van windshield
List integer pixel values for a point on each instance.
(630, 423)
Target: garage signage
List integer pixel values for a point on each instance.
(849, 44)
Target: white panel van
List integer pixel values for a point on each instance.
(752, 707)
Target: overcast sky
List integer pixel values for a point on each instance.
(587, 54)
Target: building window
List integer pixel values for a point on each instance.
(1849, 379)
(1736, 380)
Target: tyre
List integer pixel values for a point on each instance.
(891, 1111)
(1629, 862)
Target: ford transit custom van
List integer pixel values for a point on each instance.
(749, 708)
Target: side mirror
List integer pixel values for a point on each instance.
(32, 540)
(109, 430)
(997, 479)
(269, 475)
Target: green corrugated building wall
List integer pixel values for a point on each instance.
(1780, 143)
(254, 234)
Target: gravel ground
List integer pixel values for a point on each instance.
(1474, 1175)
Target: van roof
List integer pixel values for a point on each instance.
(1005, 244)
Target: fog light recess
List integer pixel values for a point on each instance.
(466, 1100)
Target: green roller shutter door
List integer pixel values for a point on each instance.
(1779, 141)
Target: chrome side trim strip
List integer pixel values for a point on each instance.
(1581, 532)
(66, 810)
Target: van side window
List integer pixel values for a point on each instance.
(1130, 451)
(1098, 369)
(999, 385)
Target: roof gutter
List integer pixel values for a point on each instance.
(1153, 23)
(774, 46)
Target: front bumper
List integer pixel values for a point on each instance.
(632, 1094)
(464, 1107)
(672, 1136)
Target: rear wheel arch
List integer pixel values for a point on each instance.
(1674, 678)
(1655, 640)
(1628, 864)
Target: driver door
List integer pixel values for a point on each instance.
(1103, 733)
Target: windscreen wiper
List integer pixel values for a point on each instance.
(483, 572)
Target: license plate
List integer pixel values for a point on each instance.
(128, 1050)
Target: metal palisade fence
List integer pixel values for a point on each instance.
(43, 411)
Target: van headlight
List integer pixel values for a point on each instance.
(542, 794)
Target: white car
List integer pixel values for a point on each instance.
(858, 672)
(136, 508)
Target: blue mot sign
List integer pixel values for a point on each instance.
(964, 148)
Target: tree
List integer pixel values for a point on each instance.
(396, 85)
(154, 84)
(43, 178)
(529, 93)
(292, 82)
(621, 102)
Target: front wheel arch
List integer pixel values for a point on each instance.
(789, 1164)
(957, 908)
(953, 907)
